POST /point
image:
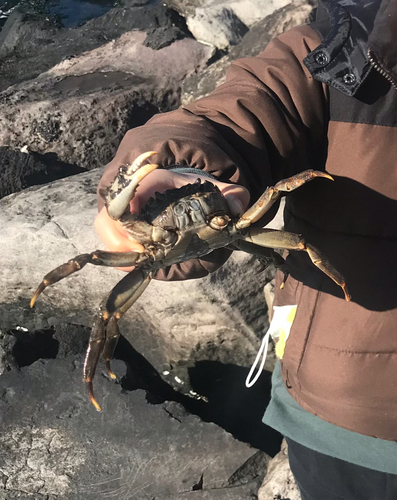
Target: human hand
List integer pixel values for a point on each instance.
(116, 238)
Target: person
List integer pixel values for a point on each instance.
(320, 96)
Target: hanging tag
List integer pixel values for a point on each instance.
(279, 329)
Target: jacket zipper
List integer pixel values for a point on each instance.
(374, 63)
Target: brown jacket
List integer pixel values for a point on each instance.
(315, 99)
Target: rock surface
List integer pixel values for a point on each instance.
(78, 104)
(20, 169)
(224, 23)
(31, 44)
(279, 483)
(59, 448)
(201, 84)
(81, 108)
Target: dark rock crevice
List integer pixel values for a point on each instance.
(32, 346)
(20, 170)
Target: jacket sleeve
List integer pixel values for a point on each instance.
(266, 122)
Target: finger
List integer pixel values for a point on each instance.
(113, 234)
(237, 197)
(158, 180)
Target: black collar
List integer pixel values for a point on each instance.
(349, 29)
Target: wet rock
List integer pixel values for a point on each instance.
(55, 445)
(82, 107)
(31, 44)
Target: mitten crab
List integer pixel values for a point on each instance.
(176, 226)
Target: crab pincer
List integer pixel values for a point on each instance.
(124, 186)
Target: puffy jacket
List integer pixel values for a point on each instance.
(321, 96)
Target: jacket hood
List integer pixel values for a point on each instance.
(349, 29)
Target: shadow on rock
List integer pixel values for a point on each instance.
(231, 405)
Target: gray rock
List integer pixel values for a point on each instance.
(19, 170)
(202, 83)
(24, 32)
(219, 319)
(279, 483)
(30, 44)
(215, 22)
(81, 108)
(218, 26)
(53, 445)
(7, 356)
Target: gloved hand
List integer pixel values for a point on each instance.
(116, 238)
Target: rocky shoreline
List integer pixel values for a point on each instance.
(67, 96)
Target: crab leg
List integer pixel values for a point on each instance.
(291, 241)
(95, 345)
(273, 193)
(264, 254)
(112, 337)
(97, 258)
(105, 332)
(125, 184)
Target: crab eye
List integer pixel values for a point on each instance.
(219, 222)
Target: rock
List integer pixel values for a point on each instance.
(54, 445)
(30, 44)
(24, 32)
(202, 83)
(19, 170)
(55, 224)
(82, 107)
(218, 26)
(7, 354)
(222, 23)
(75, 92)
(200, 336)
(81, 92)
(279, 483)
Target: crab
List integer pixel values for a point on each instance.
(175, 226)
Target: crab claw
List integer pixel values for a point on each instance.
(124, 186)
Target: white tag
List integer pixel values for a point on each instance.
(279, 328)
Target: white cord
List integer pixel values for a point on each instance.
(261, 353)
